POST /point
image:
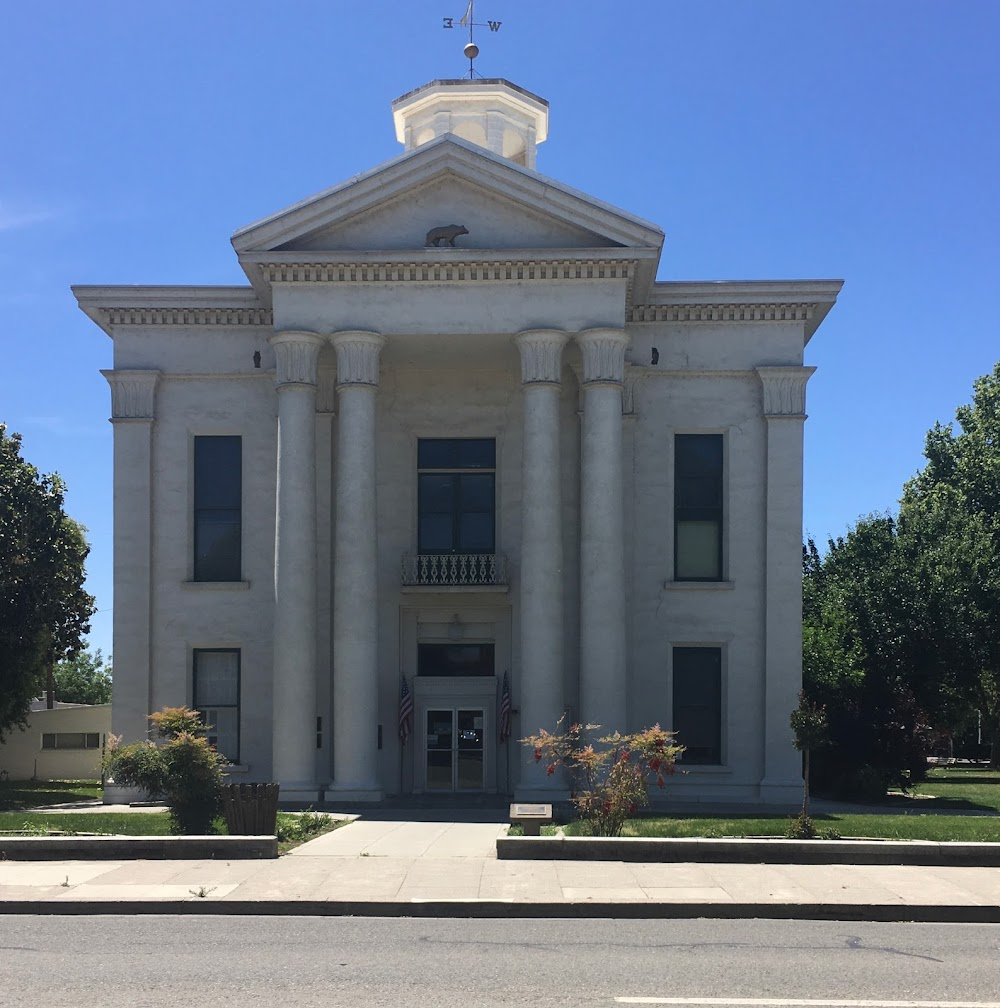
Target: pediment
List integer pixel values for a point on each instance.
(493, 221)
(447, 181)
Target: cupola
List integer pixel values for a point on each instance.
(495, 114)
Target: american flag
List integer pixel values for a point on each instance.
(504, 714)
(405, 711)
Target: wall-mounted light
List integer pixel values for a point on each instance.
(455, 629)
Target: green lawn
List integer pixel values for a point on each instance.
(29, 794)
(125, 823)
(292, 829)
(957, 788)
(890, 827)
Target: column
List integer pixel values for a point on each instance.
(541, 586)
(294, 724)
(603, 694)
(132, 414)
(355, 572)
(784, 414)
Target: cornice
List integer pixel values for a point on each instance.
(797, 301)
(111, 306)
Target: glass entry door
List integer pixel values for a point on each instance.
(455, 756)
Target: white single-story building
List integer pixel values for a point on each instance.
(454, 432)
(64, 742)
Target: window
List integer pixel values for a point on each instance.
(455, 659)
(216, 696)
(71, 740)
(456, 486)
(698, 507)
(697, 706)
(218, 493)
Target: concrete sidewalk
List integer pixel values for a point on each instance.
(391, 867)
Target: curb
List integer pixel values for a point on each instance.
(489, 909)
(115, 848)
(735, 850)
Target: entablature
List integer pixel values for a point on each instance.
(802, 301)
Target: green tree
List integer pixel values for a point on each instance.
(900, 614)
(950, 531)
(44, 611)
(860, 645)
(85, 679)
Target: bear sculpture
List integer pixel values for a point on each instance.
(447, 233)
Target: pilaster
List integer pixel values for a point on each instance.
(133, 411)
(784, 391)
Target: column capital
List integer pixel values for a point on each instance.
(297, 354)
(603, 354)
(358, 353)
(784, 390)
(133, 394)
(541, 355)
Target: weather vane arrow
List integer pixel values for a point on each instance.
(468, 20)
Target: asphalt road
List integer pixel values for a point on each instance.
(265, 962)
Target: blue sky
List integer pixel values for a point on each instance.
(854, 139)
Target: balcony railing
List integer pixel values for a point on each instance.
(453, 569)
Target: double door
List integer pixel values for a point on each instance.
(455, 753)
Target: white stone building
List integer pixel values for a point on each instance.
(520, 455)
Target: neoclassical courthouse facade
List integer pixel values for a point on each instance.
(454, 430)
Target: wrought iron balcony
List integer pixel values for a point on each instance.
(454, 569)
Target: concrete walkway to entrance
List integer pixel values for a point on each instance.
(399, 864)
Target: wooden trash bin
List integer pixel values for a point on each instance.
(251, 809)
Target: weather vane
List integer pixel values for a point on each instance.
(467, 20)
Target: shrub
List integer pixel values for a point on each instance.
(184, 769)
(611, 774)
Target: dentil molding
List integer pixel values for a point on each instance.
(603, 354)
(133, 394)
(357, 357)
(784, 390)
(733, 312)
(297, 355)
(415, 272)
(541, 355)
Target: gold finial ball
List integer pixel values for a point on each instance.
(471, 50)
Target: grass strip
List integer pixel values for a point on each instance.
(110, 823)
(31, 794)
(980, 829)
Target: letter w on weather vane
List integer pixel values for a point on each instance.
(467, 20)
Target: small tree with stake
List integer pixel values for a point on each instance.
(611, 773)
(809, 727)
(185, 770)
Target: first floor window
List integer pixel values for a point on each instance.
(71, 740)
(216, 696)
(697, 703)
(455, 659)
(698, 507)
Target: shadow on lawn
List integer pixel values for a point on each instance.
(18, 795)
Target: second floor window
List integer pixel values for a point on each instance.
(456, 495)
(218, 516)
(698, 507)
